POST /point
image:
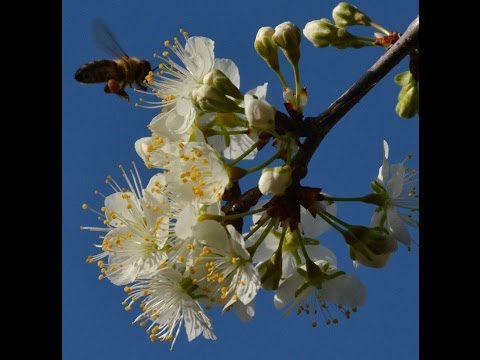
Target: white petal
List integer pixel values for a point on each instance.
(238, 145)
(238, 243)
(193, 327)
(320, 252)
(186, 220)
(244, 312)
(288, 264)
(383, 171)
(260, 91)
(116, 203)
(211, 233)
(346, 290)
(124, 274)
(181, 123)
(199, 56)
(395, 184)
(397, 227)
(377, 218)
(229, 68)
(286, 291)
(250, 283)
(140, 147)
(314, 226)
(266, 249)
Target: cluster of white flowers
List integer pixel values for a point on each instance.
(179, 253)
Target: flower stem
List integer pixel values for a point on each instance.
(331, 198)
(229, 217)
(262, 237)
(282, 79)
(255, 228)
(366, 38)
(302, 245)
(233, 132)
(325, 215)
(248, 151)
(264, 164)
(298, 86)
(378, 27)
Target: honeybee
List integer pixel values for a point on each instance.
(118, 72)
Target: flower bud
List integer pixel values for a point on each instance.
(260, 114)
(322, 33)
(221, 82)
(275, 180)
(209, 98)
(267, 48)
(288, 36)
(270, 272)
(409, 97)
(371, 247)
(345, 14)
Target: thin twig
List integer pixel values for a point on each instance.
(323, 123)
(319, 126)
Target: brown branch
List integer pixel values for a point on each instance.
(318, 127)
(322, 124)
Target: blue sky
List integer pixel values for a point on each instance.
(99, 132)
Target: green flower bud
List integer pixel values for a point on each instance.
(288, 36)
(409, 96)
(267, 48)
(220, 81)
(322, 33)
(345, 14)
(270, 272)
(210, 99)
(371, 247)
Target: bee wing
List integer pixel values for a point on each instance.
(105, 40)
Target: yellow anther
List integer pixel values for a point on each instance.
(103, 209)
(84, 206)
(143, 323)
(128, 308)
(127, 289)
(101, 277)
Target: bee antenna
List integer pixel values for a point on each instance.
(155, 68)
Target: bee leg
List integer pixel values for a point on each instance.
(122, 93)
(140, 86)
(113, 86)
